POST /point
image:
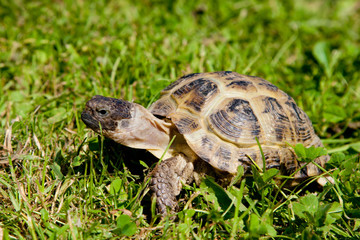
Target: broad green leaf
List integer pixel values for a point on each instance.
(115, 186)
(309, 234)
(57, 115)
(321, 215)
(117, 189)
(310, 203)
(321, 52)
(209, 196)
(269, 174)
(222, 196)
(314, 152)
(57, 170)
(356, 146)
(187, 213)
(24, 108)
(335, 212)
(267, 219)
(300, 150)
(298, 209)
(41, 56)
(357, 225)
(125, 226)
(261, 226)
(306, 207)
(254, 223)
(17, 96)
(270, 230)
(308, 154)
(190, 212)
(77, 161)
(337, 158)
(334, 114)
(44, 215)
(183, 227)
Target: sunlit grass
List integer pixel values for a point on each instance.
(59, 180)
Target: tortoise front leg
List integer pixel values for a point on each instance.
(166, 181)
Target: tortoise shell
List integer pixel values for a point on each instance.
(221, 114)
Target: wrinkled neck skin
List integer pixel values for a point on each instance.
(145, 131)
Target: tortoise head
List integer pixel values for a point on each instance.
(107, 112)
(126, 123)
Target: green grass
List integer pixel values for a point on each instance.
(58, 180)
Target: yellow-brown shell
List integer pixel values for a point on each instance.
(221, 114)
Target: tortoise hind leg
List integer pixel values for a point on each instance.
(166, 181)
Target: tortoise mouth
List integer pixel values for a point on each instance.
(90, 121)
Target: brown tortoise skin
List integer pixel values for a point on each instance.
(98, 105)
(221, 114)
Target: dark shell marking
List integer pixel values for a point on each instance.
(224, 73)
(269, 86)
(243, 85)
(223, 157)
(180, 80)
(185, 124)
(162, 108)
(301, 122)
(279, 118)
(206, 143)
(236, 118)
(196, 92)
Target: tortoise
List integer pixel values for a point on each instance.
(216, 119)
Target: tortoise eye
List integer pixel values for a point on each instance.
(103, 112)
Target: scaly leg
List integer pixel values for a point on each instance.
(166, 181)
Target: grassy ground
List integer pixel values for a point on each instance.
(58, 180)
